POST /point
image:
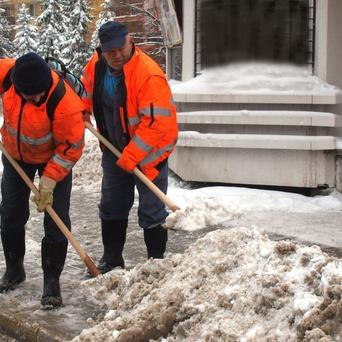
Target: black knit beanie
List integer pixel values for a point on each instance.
(31, 74)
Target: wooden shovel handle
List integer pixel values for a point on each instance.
(87, 260)
(166, 200)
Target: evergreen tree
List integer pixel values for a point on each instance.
(6, 45)
(106, 14)
(52, 26)
(26, 34)
(67, 7)
(75, 48)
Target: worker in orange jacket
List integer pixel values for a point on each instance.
(133, 108)
(38, 144)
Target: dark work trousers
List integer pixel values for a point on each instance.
(14, 207)
(117, 194)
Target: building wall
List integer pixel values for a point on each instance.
(334, 45)
(328, 41)
(188, 59)
(11, 6)
(274, 163)
(328, 45)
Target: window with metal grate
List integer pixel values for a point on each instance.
(254, 30)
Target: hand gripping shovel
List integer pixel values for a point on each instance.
(86, 259)
(167, 201)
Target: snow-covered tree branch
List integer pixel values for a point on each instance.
(6, 45)
(26, 33)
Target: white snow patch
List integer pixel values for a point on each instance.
(256, 78)
(214, 205)
(87, 172)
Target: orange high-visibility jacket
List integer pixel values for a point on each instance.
(30, 136)
(149, 116)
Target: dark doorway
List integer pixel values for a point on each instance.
(254, 30)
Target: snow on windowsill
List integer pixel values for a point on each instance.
(251, 81)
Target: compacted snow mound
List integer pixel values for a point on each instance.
(203, 213)
(231, 285)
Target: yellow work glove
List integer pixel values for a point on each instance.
(45, 196)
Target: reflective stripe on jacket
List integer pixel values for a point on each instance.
(150, 113)
(30, 136)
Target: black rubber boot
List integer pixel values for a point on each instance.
(155, 240)
(53, 259)
(113, 239)
(14, 250)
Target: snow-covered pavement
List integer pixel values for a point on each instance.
(211, 275)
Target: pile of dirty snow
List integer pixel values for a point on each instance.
(230, 285)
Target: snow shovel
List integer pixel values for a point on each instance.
(86, 259)
(167, 201)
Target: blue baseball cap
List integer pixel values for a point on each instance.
(112, 35)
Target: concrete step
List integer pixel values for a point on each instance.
(256, 141)
(261, 117)
(217, 96)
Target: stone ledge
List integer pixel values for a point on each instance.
(256, 117)
(255, 141)
(208, 97)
